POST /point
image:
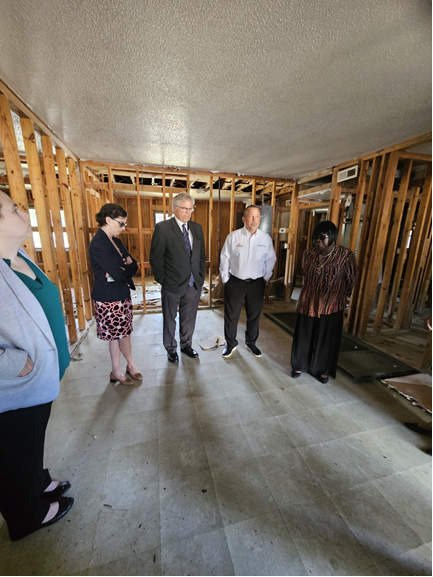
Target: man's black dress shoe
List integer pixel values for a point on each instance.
(60, 490)
(190, 352)
(172, 357)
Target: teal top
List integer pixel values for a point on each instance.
(48, 296)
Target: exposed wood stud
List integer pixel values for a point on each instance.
(409, 283)
(210, 237)
(81, 234)
(69, 221)
(334, 201)
(392, 245)
(378, 240)
(13, 166)
(357, 209)
(54, 201)
(141, 240)
(40, 204)
(407, 228)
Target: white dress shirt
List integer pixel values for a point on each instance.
(180, 223)
(247, 256)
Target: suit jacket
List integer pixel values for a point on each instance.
(24, 331)
(105, 258)
(171, 264)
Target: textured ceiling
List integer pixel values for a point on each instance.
(267, 87)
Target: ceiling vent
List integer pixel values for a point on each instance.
(347, 173)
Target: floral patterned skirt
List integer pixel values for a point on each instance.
(113, 320)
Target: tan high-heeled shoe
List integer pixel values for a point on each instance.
(135, 376)
(127, 382)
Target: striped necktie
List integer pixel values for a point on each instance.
(189, 249)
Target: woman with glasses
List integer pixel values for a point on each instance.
(329, 275)
(113, 269)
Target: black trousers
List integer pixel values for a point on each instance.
(235, 291)
(316, 344)
(23, 478)
(188, 304)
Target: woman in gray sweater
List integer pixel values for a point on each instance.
(33, 358)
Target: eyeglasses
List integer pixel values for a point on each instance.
(121, 223)
(321, 237)
(184, 208)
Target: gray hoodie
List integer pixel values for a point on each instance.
(24, 331)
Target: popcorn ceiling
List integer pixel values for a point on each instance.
(269, 87)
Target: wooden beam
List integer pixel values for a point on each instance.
(320, 188)
(69, 221)
(407, 227)
(378, 242)
(402, 319)
(110, 186)
(54, 201)
(13, 166)
(364, 248)
(292, 242)
(334, 201)
(253, 193)
(392, 245)
(315, 176)
(141, 239)
(415, 156)
(210, 236)
(78, 208)
(176, 172)
(40, 205)
(232, 207)
(357, 209)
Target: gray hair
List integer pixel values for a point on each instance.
(251, 206)
(182, 196)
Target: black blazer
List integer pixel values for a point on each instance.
(171, 264)
(105, 258)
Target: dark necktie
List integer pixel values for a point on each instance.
(189, 249)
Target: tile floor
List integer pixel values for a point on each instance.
(229, 467)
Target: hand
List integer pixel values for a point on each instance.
(127, 260)
(28, 367)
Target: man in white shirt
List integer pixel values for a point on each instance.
(247, 261)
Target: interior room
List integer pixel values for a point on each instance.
(310, 112)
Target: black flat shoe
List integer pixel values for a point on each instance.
(190, 352)
(172, 357)
(296, 374)
(65, 503)
(60, 490)
(322, 379)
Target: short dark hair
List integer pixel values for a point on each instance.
(250, 206)
(112, 210)
(326, 227)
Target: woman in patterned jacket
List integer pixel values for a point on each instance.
(329, 275)
(114, 268)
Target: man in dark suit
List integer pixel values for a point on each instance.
(177, 258)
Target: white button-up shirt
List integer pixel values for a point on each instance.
(247, 256)
(180, 223)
